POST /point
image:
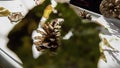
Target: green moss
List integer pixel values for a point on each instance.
(80, 51)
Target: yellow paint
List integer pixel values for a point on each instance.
(47, 11)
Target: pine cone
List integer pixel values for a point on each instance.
(84, 15)
(110, 8)
(50, 38)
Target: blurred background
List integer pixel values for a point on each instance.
(80, 51)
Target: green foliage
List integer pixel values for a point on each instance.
(80, 51)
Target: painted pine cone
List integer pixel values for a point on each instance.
(50, 36)
(110, 8)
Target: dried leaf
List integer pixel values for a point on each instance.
(107, 43)
(102, 56)
(4, 11)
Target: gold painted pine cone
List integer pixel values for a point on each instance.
(110, 8)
